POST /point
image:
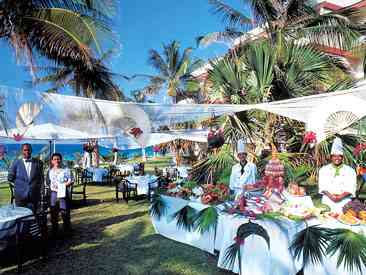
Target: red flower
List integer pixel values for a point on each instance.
(18, 137)
(359, 148)
(309, 137)
(136, 132)
(239, 240)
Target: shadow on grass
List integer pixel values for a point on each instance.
(121, 244)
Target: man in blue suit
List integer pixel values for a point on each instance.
(27, 176)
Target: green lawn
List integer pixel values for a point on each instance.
(117, 238)
(4, 194)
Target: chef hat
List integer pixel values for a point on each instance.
(337, 147)
(241, 148)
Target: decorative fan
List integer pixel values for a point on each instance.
(26, 114)
(338, 121)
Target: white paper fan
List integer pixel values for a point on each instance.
(26, 114)
(338, 121)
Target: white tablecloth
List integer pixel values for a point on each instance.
(143, 183)
(125, 168)
(183, 171)
(256, 259)
(8, 215)
(167, 226)
(98, 173)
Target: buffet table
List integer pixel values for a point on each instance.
(98, 173)
(167, 226)
(254, 253)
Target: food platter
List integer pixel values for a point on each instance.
(349, 220)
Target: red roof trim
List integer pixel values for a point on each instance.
(338, 52)
(358, 5)
(327, 6)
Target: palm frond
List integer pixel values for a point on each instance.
(311, 244)
(231, 253)
(158, 207)
(206, 220)
(351, 249)
(245, 230)
(230, 15)
(185, 218)
(227, 36)
(204, 169)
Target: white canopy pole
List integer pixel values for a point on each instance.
(143, 154)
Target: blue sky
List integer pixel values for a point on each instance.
(142, 25)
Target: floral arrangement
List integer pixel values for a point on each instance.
(360, 155)
(208, 193)
(309, 138)
(215, 193)
(17, 137)
(156, 149)
(136, 132)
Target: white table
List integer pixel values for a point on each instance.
(125, 168)
(144, 183)
(8, 216)
(255, 259)
(98, 173)
(167, 226)
(183, 171)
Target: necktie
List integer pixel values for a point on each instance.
(242, 169)
(28, 160)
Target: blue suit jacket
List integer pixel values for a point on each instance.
(26, 188)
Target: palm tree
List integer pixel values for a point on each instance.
(94, 82)
(173, 71)
(62, 30)
(286, 20)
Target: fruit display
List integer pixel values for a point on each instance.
(296, 190)
(349, 219)
(273, 176)
(214, 193)
(296, 211)
(356, 209)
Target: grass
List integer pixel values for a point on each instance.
(117, 238)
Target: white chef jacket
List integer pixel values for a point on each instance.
(346, 181)
(238, 180)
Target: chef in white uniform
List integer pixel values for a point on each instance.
(337, 181)
(243, 174)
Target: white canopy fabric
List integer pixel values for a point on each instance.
(152, 139)
(46, 131)
(96, 118)
(323, 114)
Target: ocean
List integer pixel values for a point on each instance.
(68, 151)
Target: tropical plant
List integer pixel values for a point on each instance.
(205, 170)
(94, 81)
(185, 218)
(174, 71)
(61, 30)
(314, 243)
(158, 207)
(286, 20)
(245, 230)
(206, 220)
